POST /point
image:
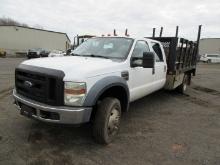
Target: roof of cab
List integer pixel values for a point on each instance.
(134, 38)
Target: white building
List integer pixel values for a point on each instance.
(209, 46)
(18, 39)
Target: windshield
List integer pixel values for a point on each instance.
(106, 47)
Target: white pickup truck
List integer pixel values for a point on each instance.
(98, 81)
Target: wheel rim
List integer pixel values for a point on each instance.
(113, 122)
(185, 83)
(184, 87)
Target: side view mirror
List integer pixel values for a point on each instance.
(148, 60)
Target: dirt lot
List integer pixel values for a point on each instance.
(164, 128)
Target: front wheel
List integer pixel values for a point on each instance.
(107, 120)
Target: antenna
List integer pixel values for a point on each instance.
(126, 32)
(161, 31)
(115, 33)
(154, 30)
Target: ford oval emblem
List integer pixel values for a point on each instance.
(28, 84)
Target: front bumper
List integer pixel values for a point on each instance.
(46, 113)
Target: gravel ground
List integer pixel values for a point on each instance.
(164, 128)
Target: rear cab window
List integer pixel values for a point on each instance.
(158, 52)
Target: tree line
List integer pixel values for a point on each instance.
(10, 21)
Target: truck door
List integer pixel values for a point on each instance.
(160, 65)
(140, 79)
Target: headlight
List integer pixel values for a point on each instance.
(74, 93)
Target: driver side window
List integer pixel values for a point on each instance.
(140, 48)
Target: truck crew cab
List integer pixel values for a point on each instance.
(100, 78)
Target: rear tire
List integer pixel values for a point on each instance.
(107, 120)
(209, 61)
(183, 87)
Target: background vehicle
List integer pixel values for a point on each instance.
(57, 53)
(100, 79)
(2, 53)
(80, 39)
(210, 58)
(37, 53)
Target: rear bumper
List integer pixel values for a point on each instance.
(33, 55)
(44, 55)
(46, 113)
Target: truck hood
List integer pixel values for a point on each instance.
(77, 68)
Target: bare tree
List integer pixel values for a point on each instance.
(9, 21)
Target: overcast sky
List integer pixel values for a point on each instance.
(102, 16)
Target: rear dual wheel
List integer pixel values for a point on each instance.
(107, 120)
(183, 87)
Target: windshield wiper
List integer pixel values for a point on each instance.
(94, 55)
(73, 54)
(89, 55)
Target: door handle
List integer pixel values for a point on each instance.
(153, 70)
(165, 68)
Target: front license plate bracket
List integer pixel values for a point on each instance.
(27, 111)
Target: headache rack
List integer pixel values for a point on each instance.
(181, 56)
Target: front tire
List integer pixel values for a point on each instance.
(107, 120)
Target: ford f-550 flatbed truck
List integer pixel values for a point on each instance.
(100, 78)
